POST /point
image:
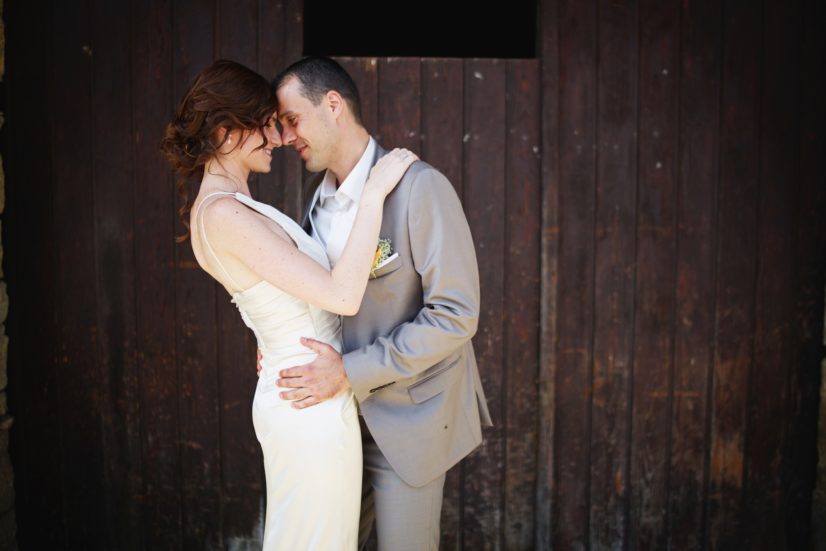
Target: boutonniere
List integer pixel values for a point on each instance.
(383, 255)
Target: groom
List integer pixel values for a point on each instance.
(407, 352)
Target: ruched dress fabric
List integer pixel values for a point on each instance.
(312, 456)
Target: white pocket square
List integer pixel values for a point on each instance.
(387, 260)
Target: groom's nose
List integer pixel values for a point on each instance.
(287, 136)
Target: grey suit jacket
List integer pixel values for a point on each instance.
(408, 351)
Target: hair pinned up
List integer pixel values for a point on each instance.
(224, 95)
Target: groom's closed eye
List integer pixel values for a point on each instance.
(287, 118)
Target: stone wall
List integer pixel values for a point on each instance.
(8, 526)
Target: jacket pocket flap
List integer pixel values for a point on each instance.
(391, 266)
(433, 384)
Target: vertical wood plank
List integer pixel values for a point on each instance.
(364, 71)
(441, 132)
(521, 303)
(805, 386)
(616, 202)
(30, 268)
(197, 324)
(270, 29)
(779, 185)
(296, 194)
(735, 269)
(694, 324)
(575, 305)
(442, 96)
(242, 480)
(156, 323)
(399, 87)
(78, 376)
(485, 112)
(236, 31)
(546, 503)
(112, 179)
(654, 307)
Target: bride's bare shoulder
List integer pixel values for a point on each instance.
(222, 210)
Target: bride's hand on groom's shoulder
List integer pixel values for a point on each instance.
(389, 170)
(316, 381)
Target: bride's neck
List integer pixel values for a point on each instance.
(227, 175)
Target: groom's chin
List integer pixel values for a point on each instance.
(313, 169)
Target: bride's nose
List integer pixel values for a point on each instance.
(273, 136)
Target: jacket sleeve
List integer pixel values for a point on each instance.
(443, 255)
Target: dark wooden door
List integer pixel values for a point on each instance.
(647, 200)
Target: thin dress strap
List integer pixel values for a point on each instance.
(202, 234)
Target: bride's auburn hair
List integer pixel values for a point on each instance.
(225, 95)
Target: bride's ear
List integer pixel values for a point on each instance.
(223, 138)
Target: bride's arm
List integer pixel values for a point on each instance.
(236, 231)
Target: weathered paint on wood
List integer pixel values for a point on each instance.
(574, 316)
(484, 199)
(615, 272)
(79, 365)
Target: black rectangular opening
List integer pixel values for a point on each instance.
(425, 28)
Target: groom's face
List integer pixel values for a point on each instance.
(309, 128)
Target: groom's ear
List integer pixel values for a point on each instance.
(335, 103)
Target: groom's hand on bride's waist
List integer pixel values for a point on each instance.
(319, 380)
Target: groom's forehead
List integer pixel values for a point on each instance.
(290, 97)
(289, 89)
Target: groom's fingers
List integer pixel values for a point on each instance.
(291, 373)
(305, 403)
(293, 382)
(297, 394)
(314, 345)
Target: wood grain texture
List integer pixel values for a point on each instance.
(575, 300)
(398, 99)
(614, 272)
(79, 366)
(521, 303)
(114, 219)
(802, 457)
(156, 322)
(546, 504)
(695, 284)
(735, 270)
(484, 170)
(656, 257)
(769, 392)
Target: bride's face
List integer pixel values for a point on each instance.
(250, 153)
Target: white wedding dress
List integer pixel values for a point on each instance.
(312, 456)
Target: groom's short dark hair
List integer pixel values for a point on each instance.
(319, 75)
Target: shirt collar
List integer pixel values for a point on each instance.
(352, 186)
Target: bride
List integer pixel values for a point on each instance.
(281, 281)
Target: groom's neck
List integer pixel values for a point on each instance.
(351, 147)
